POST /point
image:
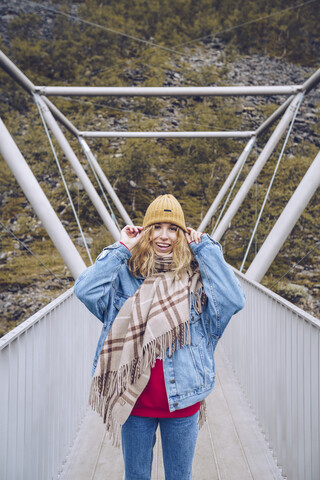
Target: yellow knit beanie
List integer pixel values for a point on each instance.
(165, 208)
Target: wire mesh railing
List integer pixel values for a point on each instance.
(45, 368)
(273, 347)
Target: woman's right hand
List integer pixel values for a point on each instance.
(130, 235)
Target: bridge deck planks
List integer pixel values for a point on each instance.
(230, 445)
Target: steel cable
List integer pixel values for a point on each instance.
(114, 218)
(155, 45)
(63, 179)
(310, 251)
(271, 181)
(33, 254)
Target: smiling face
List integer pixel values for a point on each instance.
(163, 238)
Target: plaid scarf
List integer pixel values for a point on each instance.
(150, 323)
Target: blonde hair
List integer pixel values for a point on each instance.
(142, 261)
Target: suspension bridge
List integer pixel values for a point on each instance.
(263, 416)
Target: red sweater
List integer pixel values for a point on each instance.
(153, 401)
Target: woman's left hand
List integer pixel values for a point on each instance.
(193, 235)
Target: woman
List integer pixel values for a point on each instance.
(165, 295)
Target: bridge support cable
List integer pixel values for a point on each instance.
(40, 203)
(276, 114)
(105, 182)
(10, 232)
(114, 218)
(63, 180)
(256, 169)
(80, 172)
(270, 184)
(285, 222)
(317, 245)
(242, 160)
(96, 167)
(223, 190)
(62, 118)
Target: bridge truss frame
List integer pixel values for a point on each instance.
(52, 115)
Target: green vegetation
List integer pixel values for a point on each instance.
(193, 169)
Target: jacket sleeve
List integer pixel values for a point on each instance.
(225, 295)
(96, 285)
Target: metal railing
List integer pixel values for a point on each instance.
(45, 375)
(273, 347)
(45, 368)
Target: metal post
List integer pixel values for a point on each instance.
(40, 203)
(80, 172)
(256, 169)
(232, 175)
(285, 222)
(105, 182)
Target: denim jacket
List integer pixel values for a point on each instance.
(190, 371)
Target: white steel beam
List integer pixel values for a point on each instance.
(40, 203)
(285, 222)
(122, 134)
(238, 164)
(170, 91)
(80, 172)
(59, 116)
(105, 182)
(312, 81)
(227, 184)
(274, 116)
(256, 169)
(16, 73)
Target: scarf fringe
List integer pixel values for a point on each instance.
(202, 414)
(107, 387)
(113, 427)
(114, 430)
(101, 405)
(196, 300)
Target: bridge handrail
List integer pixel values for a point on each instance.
(278, 299)
(35, 318)
(273, 347)
(45, 366)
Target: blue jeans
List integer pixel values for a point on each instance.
(178, 438)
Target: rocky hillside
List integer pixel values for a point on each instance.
(193, 169)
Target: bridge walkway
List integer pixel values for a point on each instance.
(273, 346)
(230, 446)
